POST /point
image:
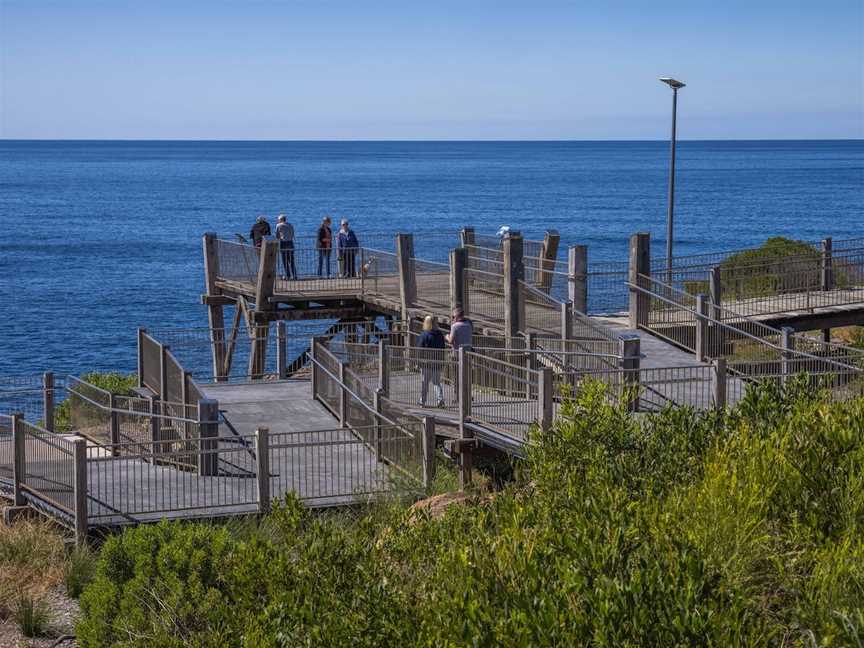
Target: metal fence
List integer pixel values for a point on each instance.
(49, 467)
(504, 395)
(485, 292)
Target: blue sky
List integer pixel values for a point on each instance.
(329, 69)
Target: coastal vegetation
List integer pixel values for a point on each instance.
(685, 528)
(779, 265)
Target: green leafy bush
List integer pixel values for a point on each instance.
(114, 382)
(740, 527)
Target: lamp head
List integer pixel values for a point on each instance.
(672, 83)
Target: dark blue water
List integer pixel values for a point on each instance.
(97, 238)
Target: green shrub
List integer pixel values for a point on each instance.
(739, 527)
(114, 382)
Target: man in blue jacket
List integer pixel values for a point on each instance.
(346, 249)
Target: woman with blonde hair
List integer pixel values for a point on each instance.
(431, 356)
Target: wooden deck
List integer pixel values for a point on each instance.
(309, 455)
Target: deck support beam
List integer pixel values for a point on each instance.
(79, 489)
(215, 312)
(263, 292)
(577, 277)
(640, 266)
(466, 237)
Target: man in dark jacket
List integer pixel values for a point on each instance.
(346, 249)
(259, 230)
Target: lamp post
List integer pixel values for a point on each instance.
(675, 85)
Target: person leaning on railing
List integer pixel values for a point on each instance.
(346, 248)
(285, 236)
(325, 245)
(431, 353)
(259, 230)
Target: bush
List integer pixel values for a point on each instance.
(114, 382)
(741, 527)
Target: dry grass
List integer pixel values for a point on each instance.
(31, 562)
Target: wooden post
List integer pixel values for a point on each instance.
(428, 451)
(208, 421)
(262, 468)
(640, 266)
(80, 489)
(19, 458)
(547, 259)
(407, 272)
(343, 397)
(215, 313)
(163, 371)
(314, 367)
(577, 276)
(48, 400)
(545, 399)
(718, 383)
(465, 454)
(258, 351)
(827, 264)
(266, 282)
(702, 307)
(466, 236)
(378, 440)
(281, 350)
(629, 352)
(787, 343)
(716, 291)
(514, 272)
(141, 332)
(114, 430)
(459, 280)
(383, 367)
(155, 424)
(566, 325)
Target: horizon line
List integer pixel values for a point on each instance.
(439, 140)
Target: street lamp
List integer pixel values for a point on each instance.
(675, 85)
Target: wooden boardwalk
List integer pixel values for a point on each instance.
(309, 455)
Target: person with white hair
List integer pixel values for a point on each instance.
(346, 249)
(259, 230)
(431, 358)
(285, 236)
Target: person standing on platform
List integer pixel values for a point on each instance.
(325, 245)
(285, 236)
(346, 248)
(431, 357)
(259, 230)
(460, 335)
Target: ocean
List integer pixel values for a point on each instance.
(98, 238)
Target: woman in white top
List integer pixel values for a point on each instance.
(285, 236)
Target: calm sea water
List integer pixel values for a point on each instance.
(97, 238)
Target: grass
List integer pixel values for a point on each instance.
(32, 556)
(32, 616)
